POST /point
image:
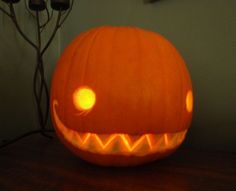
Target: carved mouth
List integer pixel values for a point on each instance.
(119, 144)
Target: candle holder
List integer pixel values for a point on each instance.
(37, 5)
(60, 4)
(40, 87)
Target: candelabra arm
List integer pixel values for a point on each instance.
(48, 18)
(68, 13)
(39, 73)
(57, 26)
(5, 12)
(13, 17)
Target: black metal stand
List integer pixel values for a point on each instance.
(40, 87)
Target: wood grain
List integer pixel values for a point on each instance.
(39, 164)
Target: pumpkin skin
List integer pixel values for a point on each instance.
(143, 90)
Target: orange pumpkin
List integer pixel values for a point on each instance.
(121, 96)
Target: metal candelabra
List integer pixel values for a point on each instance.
(38, 8)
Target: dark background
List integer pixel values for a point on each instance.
(203, 31)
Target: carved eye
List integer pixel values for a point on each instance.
(189, 101)
(84, 98)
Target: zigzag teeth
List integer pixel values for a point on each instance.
(123, 140)
(123, 143)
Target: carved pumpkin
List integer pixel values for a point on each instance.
(121, 96)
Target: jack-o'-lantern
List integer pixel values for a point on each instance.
(121, 96)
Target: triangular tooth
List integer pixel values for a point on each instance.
(124, 143)
(141, 146)
(83, 140)
(150, 140)
(133, 138)
(173, 138)
(116, 148)
(83, 137)
(117, 145)
(181, 136)
(73, 138)
(108, 142)
(105, 138)
(166, 139)
(159, 143)
(92, 143)
(128, 146)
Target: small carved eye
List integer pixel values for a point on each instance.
(84, 98)
(189, 101)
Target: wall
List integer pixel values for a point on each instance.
(17, 63)
(204, 32)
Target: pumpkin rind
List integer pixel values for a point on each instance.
(141, 83)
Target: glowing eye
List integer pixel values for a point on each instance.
(84, 98)
(189, 101)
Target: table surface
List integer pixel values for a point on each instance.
(39, 164)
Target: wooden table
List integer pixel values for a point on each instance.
(38, 164)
